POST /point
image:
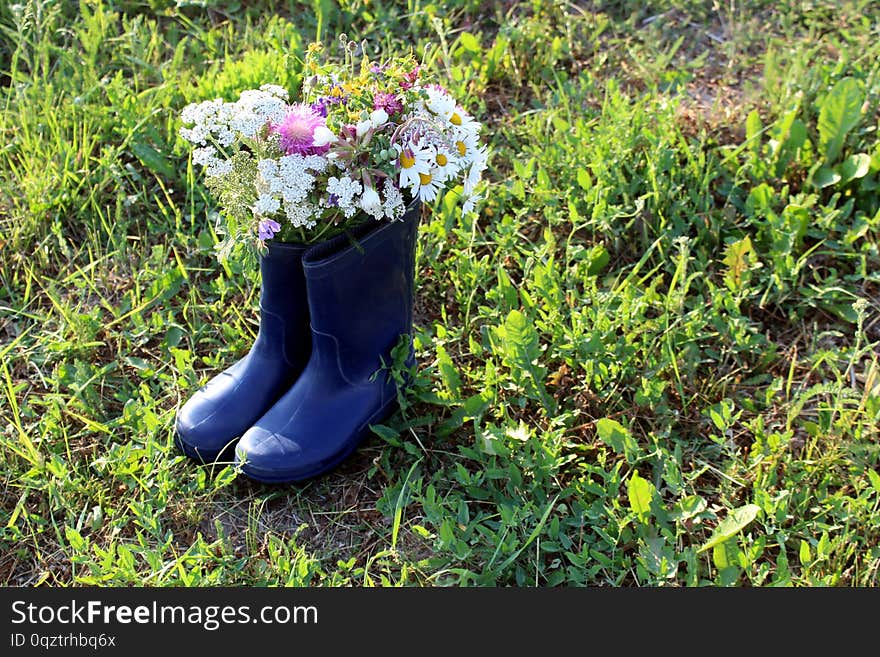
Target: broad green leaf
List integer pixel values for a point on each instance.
(854, 167)
(386, 433)
(734, 523)
(205, 240)
(688, 508)
(760, 200)
(839, 113)
(616, 436)
(519, 339)
(584, 179)
(753, 130)
(470, 42)
(599, 258)
(448, 372)
(825, 177)
(640, 492)
(874, 479)
(153, 160)
(805, 555)
(737, 257)
(225, 477)
(724, 555)
(77, 542)
(517, 342)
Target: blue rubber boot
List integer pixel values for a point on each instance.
(222, 410)
(360, 302)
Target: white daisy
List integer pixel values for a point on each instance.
(440, 103)
(427, 188)
(444, 164)
(465, 144)
(414, 161)
(478, 164)
(469, 203)
(461, 119)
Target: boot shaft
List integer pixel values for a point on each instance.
(284, 319)
(360, 291)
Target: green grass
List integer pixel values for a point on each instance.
(651, 360)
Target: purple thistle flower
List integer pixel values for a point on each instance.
(267, 228)
(388, 102)
(297, 131)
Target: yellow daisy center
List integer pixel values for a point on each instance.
(455, 119)
(441, 159)
(406, 160)
(462, 149)
(425, 178)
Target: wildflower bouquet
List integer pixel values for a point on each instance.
(365, 139)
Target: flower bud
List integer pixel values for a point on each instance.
(370, 201)
(379, 118)
(323, 136)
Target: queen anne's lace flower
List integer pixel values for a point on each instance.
(218, 168)
(204, 156)
(266, 205)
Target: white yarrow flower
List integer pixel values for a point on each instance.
(344, 190)
(302, 214)
(275, 90)
(218, 168)
(394, 205)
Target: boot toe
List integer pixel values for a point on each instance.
(199, 431)
(271, 457)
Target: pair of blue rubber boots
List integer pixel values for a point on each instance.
(306, 393)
